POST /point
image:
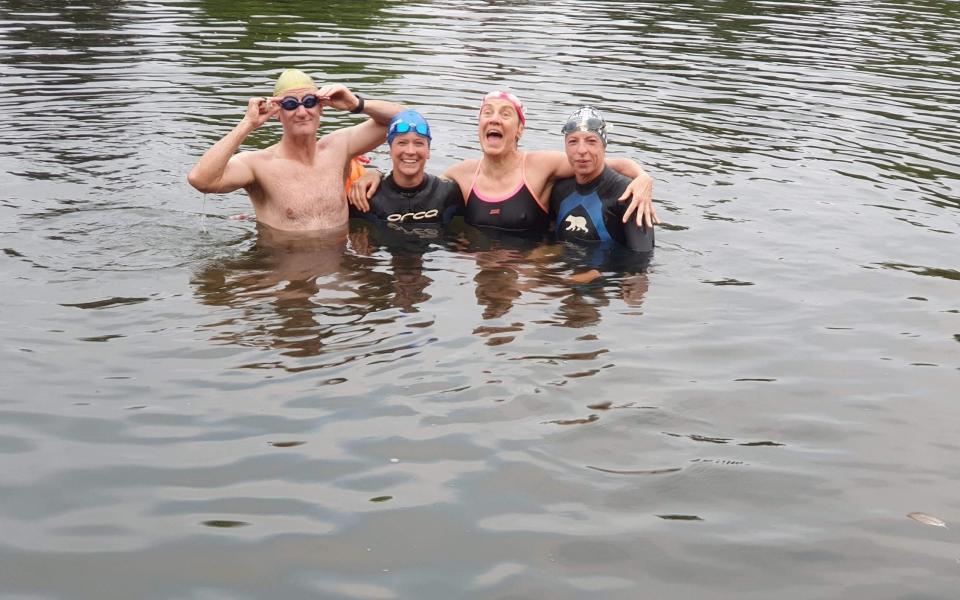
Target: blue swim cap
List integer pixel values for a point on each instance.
(407, 121)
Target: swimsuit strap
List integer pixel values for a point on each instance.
(473, 184)
(523, 179)
(520, 185)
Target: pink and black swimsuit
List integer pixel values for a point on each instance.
(517, 212)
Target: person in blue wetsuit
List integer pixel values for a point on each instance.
(408, 197)
(507, 189)
(585, 207)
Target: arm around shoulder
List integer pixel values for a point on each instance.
(639, 192)
(627, 167)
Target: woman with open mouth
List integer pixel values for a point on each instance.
(509, 190)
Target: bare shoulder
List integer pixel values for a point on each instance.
(249, 161)
(253, 157)
(338, 138)
(548, 164)
(462, 170)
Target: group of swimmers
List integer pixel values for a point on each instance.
(306, 183)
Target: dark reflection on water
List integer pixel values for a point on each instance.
(191, 407)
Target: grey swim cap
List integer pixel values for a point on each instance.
(587, 118)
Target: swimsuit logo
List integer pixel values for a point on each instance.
(576, 223)
(494, 211)
(413, 216)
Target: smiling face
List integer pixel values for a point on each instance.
(301, 120)
(586, 154)
(499, 127)
(409, 153)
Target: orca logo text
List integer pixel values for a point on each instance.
(413, 216)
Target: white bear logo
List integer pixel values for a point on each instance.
(576, 223)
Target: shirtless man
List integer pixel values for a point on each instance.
(296, 184)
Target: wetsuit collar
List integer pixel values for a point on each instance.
(405, 190)
(585, 188)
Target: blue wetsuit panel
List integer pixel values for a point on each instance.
(590, 213)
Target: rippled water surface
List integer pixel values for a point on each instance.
(184, 414)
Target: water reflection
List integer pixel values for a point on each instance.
(404, 284)
(281, 22)
(283, 286)
(809, 150)
(70, 35)
(578, 279)
(298, 294)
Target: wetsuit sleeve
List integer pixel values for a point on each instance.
(369, 215)
(453, 201)
(635, 237)
(638, 238)
(561, 190)
(554, 204)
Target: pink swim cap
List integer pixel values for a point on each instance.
(501, 95)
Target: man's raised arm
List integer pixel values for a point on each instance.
(369, 134)
(215, 172)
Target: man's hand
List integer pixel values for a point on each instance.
(338, 96)
(363, 189)
(261, 110)
(640, 192)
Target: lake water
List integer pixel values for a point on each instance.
(186, 415)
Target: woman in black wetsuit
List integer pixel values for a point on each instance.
(408, 196)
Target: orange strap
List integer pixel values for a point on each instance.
(356, 170)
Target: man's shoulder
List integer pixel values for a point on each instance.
(333, 138)
(249, 156)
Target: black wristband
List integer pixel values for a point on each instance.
(359, 108)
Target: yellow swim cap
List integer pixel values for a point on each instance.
(292, 79)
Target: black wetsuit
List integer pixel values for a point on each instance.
(517, 213)
(434, 202)
(591, 213)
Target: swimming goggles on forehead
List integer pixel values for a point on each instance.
(404, 127)
(589, 124)
(291, 103)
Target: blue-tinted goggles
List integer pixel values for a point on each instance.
(291, 103)
(420, 128)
